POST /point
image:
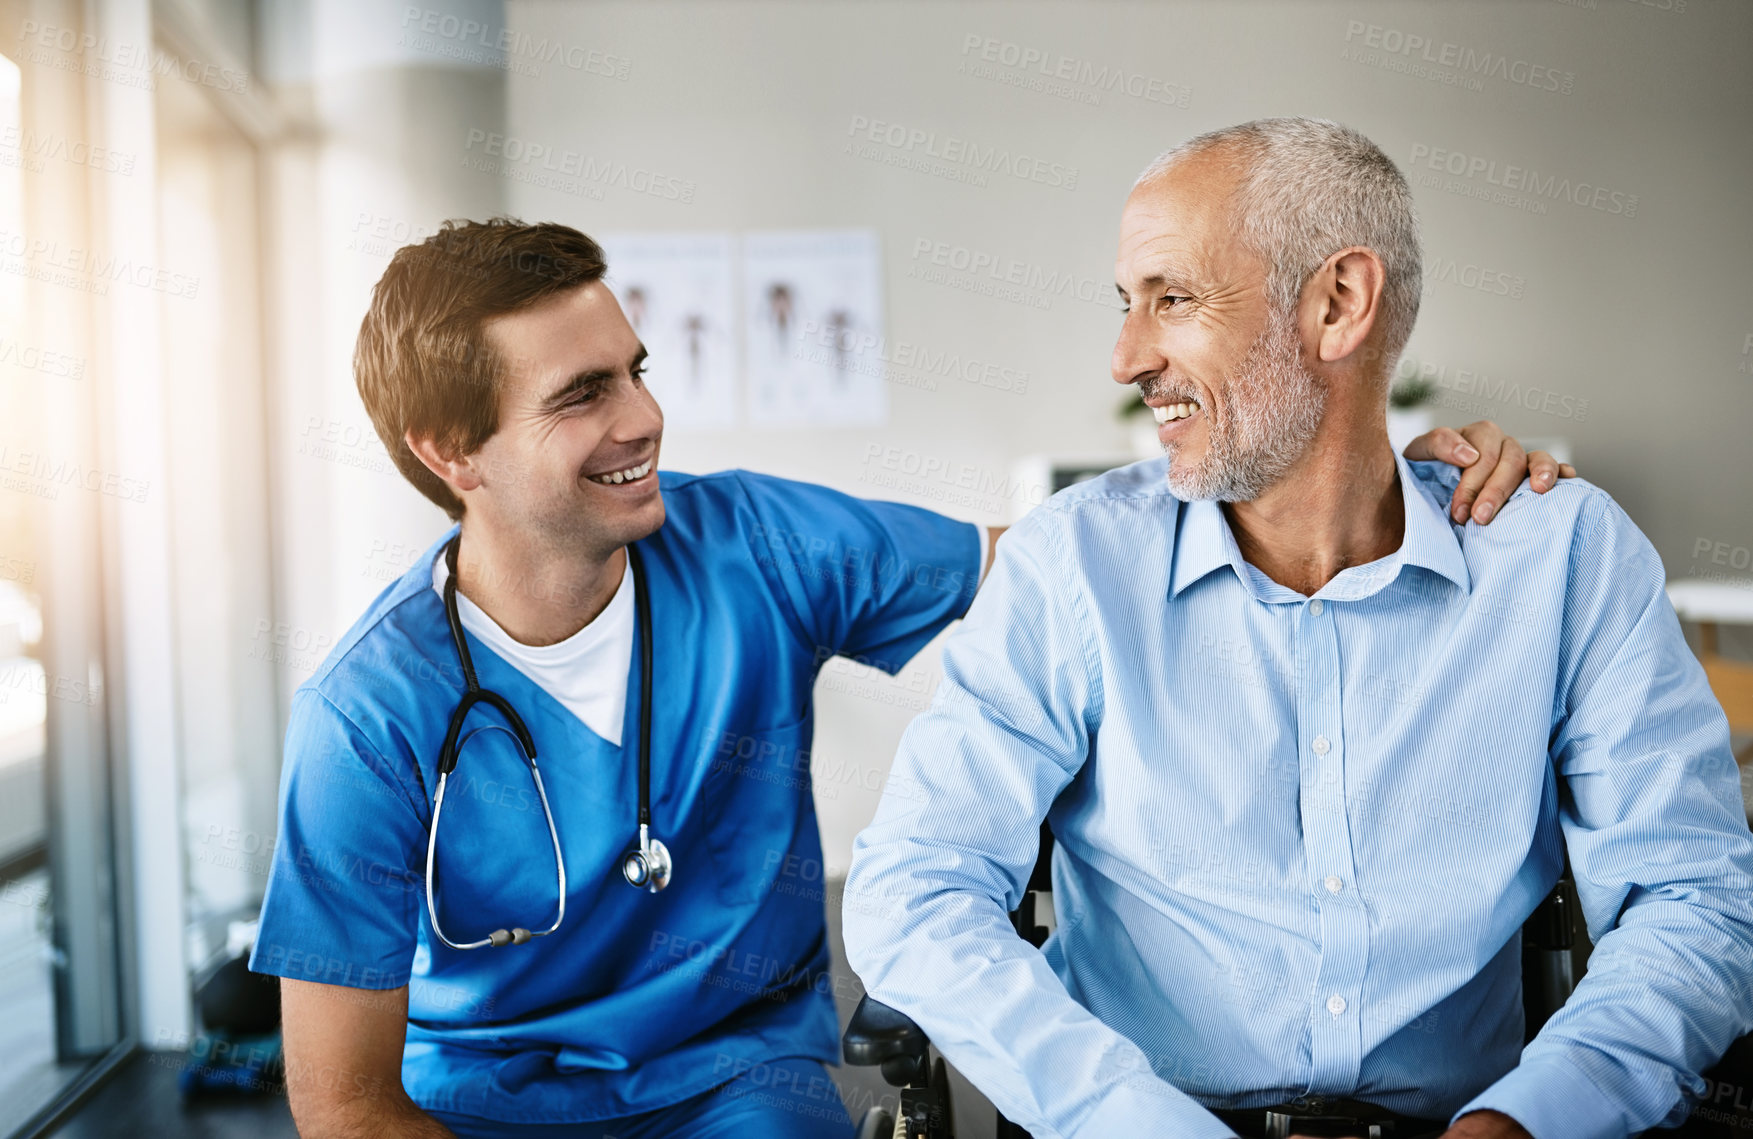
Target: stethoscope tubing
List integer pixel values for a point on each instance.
(559, 872)
(648, 867)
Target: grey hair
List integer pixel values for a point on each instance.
(1309, 188)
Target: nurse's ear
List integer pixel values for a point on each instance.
(458, 471)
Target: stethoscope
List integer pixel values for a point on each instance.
(645, 866)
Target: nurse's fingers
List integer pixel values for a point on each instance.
(1489, 440)
(1501, 482)
(1442, 443)
(1544, 471)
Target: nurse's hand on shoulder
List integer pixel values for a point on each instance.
(1493, 465)
(344, 1063)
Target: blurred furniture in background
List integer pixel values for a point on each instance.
(1036, 478)
(1709, 603)
(1558, 446)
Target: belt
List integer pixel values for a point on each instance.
(1319, 1116)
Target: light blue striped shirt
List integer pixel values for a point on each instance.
(1298, 836)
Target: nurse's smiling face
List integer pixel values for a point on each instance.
(577, 444)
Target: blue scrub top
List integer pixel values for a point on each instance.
(638, 1001)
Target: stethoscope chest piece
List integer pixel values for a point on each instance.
(647, 866)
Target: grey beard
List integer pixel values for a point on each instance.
(1272, 408)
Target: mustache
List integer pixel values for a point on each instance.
(1165, 388)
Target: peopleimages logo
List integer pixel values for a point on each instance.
(542, 164)
(1064, 75)
(1025, 282)
(852, 349)
(1522, 180)
(1408, 50)
(134, 64)
(1495, 282)
(1455, 384)
(475, 41)
(958, 152)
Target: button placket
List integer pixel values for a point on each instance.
(1337, 1045)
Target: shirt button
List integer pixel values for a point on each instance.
(1333, 884)
(1321, 746)
(1335, 1004)
(1316, 606)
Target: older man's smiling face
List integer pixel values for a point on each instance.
(1223, 370)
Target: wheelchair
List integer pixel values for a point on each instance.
(887, 1038)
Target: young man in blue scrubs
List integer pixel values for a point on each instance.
(504, 379)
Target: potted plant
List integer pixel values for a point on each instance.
(1409, 413)
(1140, 428)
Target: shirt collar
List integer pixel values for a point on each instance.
(1430, 540)
(1204, 542)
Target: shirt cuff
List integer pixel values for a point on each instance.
(1129, 1110)
(1552, 1099)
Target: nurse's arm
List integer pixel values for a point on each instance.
(993, 534)
(344, 1063)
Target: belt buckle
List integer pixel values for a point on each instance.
(1309, 1117)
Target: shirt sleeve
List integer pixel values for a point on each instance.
(1659, 846)
(934, 876)
(347, 883)
(874, 581)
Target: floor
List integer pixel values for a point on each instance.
(141, 1101)
(30, 1076)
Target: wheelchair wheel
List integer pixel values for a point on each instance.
(877, 1124)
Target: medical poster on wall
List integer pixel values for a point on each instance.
(677, 290)
(813, 326)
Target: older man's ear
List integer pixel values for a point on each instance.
(1348, 302)
(1492, 466)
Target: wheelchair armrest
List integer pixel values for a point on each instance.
(878, 1033)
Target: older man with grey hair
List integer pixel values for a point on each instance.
(1299, 825)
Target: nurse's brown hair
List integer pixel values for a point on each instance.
(423, 362)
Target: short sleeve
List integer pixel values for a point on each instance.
(347, 882)
(874, 581)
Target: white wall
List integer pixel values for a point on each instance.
(1643, 312)
(371, 164)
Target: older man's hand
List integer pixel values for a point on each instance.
(1493, 466)
(1486, 1125)
(1480, 1125)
